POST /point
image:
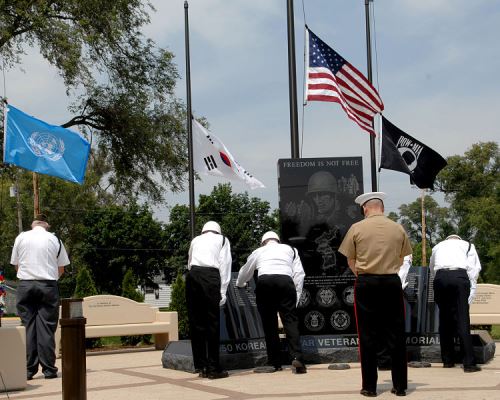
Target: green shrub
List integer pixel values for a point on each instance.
(85, 287)
(129, 290)
(178, 303)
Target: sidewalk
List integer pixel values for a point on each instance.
(140, 375)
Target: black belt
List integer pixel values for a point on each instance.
(450, 269)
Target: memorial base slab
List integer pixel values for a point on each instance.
(321, 349)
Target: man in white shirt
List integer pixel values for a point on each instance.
(209, 274)
(456, 267)
(39, 257)
(279, 286)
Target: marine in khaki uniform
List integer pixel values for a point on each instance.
(375, 248)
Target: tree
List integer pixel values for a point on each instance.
(178, 303)
(65, 204)
(129, 287)
(85, 285)
(243, 221)
(120, 84)
(115, 239)
(471, 184)
(129, 290)
(438, 222)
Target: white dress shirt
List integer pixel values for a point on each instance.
(405, 268)
(452, 254)
(274, 259)
(35, 254)
(212, 250)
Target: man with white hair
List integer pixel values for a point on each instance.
(375, 248)
(456, 266)
(209, 273)
(278, 290)
(39, 257)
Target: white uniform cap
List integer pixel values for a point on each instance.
(453, 237)
(270, 235)
(363, 198)
(211, 226)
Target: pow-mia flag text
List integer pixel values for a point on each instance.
(401, 152)
(211, 157)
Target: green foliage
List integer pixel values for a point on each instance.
(243, 219)
(85, 285)
(122, 86)
(115, 239)
(129, 290)
(471, 184)
(178, 303)
(129, 287)
(438, 224)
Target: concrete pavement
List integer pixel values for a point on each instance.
(140, 375)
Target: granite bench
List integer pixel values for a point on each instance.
(109, 315)
(485, 310)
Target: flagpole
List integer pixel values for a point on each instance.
(373, 163)
(292, 82)
(189, 123)
(424, 239)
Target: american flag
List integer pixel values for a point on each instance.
(331, 78)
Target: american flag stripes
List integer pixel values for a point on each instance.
(331, 78)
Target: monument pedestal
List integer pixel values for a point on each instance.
(320, 349)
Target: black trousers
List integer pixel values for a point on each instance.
(202, 298)
(380, 318)
(276, 294)
(451, 294)
(38, 308)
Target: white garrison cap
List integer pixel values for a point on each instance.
(270, 235)
(211, 226)
(363, 198)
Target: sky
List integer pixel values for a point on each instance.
(435, 65)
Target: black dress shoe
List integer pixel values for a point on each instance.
(449, 365)
(399, 392)
(217, 374)
(51, 376)
(278, 368)
(472, 368)
(368, 393)
(202, 373)
(300, 368)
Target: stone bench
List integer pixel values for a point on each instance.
(109, 315)
(485, 310)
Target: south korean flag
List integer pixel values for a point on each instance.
(211, 157)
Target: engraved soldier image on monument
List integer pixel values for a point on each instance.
(317, 208)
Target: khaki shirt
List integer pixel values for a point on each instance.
(378, 245)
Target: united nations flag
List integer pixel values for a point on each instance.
(47, 149)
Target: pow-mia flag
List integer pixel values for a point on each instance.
(211, 157)
(401, 152)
